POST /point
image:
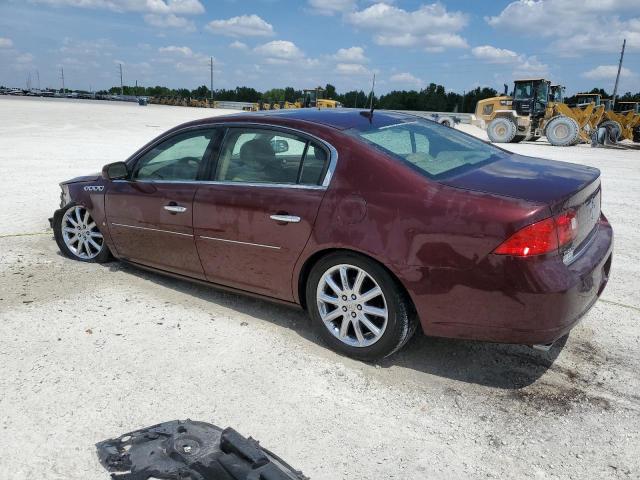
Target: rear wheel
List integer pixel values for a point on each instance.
(78, 236)
(563, 132)
(614, 129)
(358, 309)
(501, 130)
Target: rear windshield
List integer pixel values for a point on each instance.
(433, 149)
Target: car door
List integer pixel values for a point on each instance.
(150, 214)
(253, 219)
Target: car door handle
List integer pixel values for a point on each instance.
(285, 218)
(175, 208)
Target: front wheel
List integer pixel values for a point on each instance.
(502, 130)
(357, 308)
(78, 236)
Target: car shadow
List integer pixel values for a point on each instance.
(496, 365)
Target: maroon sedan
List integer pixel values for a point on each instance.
(372, 223)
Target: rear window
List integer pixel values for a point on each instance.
(434, 150)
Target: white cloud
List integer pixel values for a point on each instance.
(24, 58)
(352, 69)
(594, 26)
(183, 7)
(406, 78)
(432, 26)
(607, 72)
(279, 51)
(350, 55)
(331, 7)
(6, 42)
(531, 67)
(238, 45)
(172, 49)
(244, 25)
(492, 54)
(186, 60)
(170, 21)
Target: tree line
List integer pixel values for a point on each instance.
(431, 98)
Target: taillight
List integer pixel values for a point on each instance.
(541, 237)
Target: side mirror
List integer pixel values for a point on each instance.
(115, 171)
(280, 146)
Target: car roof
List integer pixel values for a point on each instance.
(339, 118)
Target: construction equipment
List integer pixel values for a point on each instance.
(528, 114)
(313, 98)
(537, 108)
(629, 115)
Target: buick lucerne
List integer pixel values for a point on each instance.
(374, 223)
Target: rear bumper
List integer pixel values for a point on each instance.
(513, 300)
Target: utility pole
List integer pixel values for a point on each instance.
(615, 89)
(211, 78)
(38, 75)
(62, 77)
(121, 85)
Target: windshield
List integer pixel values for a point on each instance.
(523, 90)
(434, 150)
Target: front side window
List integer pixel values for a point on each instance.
(267, 156)
(178, 158)
(434, 150)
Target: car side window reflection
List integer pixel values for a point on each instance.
(266, 156)
(178, 158)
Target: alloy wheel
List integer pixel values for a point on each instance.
(352, 305)
(80, 233)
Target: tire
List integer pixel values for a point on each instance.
(614, 129)
(446, 123)
(379, 336)
(562, 132)
(78, 236)
(501, 130)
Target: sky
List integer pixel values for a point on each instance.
(461, 44)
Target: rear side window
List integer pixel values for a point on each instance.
(433, 149)
(268, 156)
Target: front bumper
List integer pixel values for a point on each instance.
(513, 300)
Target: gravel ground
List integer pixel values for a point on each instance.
(88, 352)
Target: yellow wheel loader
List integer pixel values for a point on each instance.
(534, 110)
(537, 109)
(313, 99)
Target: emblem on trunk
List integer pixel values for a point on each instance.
(94, 188)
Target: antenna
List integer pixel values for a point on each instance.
(373, 86)
(615, 89)
(62, 77)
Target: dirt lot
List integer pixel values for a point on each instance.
(88, 352)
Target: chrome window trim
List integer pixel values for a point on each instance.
(333, 155)
(227, 183)
(150, 229)
(239, 242)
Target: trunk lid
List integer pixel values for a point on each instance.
(561, 186)
(533, 179)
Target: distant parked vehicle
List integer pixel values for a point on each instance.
(372, 222)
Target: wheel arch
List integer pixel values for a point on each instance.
(314, 258)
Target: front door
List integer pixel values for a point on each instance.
(150, 215)
(253, 220)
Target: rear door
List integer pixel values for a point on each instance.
(150, 214)
(253, 219)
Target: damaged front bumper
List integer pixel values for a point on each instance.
(188, 450)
